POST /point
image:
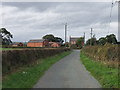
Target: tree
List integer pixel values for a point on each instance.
(102, 41)
(5, 36)
(51, 38)
(67, 44)
(73, 46)
(88, 42)
(80, 42)
(92, 41)
(111, 39)
(58, 39)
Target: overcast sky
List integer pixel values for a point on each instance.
(33, 20)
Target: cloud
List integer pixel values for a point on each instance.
(33, 20)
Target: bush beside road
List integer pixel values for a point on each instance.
(13, 59)
(108, 77)
(103, 63)
(108, 54)
(27, 76)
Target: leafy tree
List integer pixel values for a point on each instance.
(102, 41)
(51, 38)
(5, 36)
(80, 42)
(111, 39)
(73, 46)
(88, 42)
(67, 44)
(58, 39)
(92, 41)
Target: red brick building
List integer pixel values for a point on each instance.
(54, 44)
(73, 40)
(17, 44)
(38, 43)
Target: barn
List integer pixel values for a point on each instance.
(54, 44)
(38, 43)
(17, 44)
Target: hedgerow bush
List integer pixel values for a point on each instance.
(13, 59)
(108, 54)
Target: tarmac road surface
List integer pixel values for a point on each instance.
(69, 72)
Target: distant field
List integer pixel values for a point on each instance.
(10, 48)
(20, 48)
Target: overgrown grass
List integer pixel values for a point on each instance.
(108, 77)
(29, 75)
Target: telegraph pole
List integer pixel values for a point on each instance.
(91, 36)
(84, 38)
(94, 42)
(119, 21)
(65, 32)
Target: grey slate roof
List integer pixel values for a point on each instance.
(36, 40)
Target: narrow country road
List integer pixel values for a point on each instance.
(69, 72)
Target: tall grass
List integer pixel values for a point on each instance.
(107, 54)
(108, 77)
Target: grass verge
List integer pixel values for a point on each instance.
(29, 75)
(108, 77)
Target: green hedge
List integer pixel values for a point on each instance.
(13, 59)
(108, 54)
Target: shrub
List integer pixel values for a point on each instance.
(13, 59)
(73, 46)
(107, 54)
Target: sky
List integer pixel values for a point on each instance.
(33, 20)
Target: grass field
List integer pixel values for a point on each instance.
(108, 77)
(10, 48)
(27, 76)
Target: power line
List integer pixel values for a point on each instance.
(111, 14)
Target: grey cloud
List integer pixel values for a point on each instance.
(32, 20)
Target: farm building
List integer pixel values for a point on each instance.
(38, 43)
(73, 40)
(17, 44)
(74, 44)
(54, 44)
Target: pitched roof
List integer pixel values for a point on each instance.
(54, 42)
(37, 40)
(16, 43)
